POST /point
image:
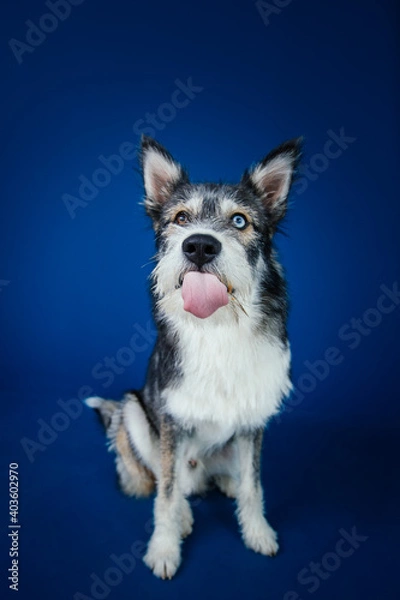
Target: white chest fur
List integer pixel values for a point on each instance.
(232, 377)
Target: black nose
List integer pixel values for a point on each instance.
(201, 249)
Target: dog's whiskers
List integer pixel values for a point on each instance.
(151, 261)
(238, 303)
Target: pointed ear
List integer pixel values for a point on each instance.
(161, 174)
(271, 178)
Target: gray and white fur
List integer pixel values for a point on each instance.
(212, 383)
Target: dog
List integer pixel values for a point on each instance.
(220, 367)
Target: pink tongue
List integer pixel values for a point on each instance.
(203, 294)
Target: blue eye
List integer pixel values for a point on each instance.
(239, 221)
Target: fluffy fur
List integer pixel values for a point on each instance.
(212, 383)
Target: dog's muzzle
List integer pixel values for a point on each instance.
(200, 248)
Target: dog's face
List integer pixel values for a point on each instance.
(220, 234)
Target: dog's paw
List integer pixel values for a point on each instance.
(186, 519)
(262, 538)
(163, 557)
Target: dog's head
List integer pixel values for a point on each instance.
(214, 241)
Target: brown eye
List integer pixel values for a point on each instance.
(181, 218)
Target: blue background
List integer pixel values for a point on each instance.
(72, 290)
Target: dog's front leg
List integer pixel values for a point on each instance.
(163, 553)
(256, 531)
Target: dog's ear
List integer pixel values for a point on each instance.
(272, 177)
(161, 175)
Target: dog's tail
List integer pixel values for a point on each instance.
(104, 408)
(126, 426)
